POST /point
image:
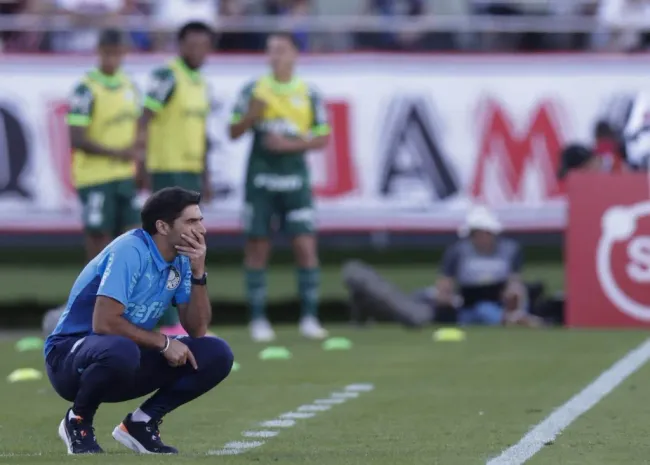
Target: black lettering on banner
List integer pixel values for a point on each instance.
(410, 127)
(14, 153)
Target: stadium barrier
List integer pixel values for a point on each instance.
(608, 250)
(416, 139)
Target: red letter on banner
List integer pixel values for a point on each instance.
(60, 150)
(504, 158)
(339, 176)
(608, 250)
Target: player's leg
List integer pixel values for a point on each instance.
(85, 371)
(257, 224)
(489, 313)
(99, 212)
(128, 208)
(298, 222)
(174, 387)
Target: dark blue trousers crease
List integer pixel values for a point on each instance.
(97, 369)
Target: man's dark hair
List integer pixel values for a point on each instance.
(113, 37)
(193, 26)
(166, 205)
(287, 36)
(573, 157)
(604, 129)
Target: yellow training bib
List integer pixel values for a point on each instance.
(111, 122)
(177, 134)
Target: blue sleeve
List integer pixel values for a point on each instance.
(183, 292)
(450, 261)
(121, 273)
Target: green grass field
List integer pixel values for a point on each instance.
(52, 284)
(432, 403)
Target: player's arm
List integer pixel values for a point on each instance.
(194, 307)
(320, 130)
(247, 111)
(206, 195)
(113, 296)
(79, 118)
(161, 88)
(316, 140)
(192, 300)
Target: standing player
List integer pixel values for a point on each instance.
(103, 348)
(103, 117)
(175, 111)
(288, 119)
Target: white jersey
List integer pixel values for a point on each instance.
(636, 133)
(629, 116)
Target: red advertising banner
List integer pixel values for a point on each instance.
(608, 250)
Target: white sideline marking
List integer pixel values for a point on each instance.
(314, 408)
(243, 444)
(278, 423)
(329, 401)
(259, 434)
(360, 387)
(226, 452)
(297, 415)
(546, 431)
(287, 420)
(236, 447)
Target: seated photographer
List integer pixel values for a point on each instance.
(480, 282)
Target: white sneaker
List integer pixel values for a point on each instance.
(261, 330)
(311, 328)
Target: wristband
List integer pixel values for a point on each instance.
(167, 341)
(202, 281)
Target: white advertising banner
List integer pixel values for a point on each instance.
(415, 141)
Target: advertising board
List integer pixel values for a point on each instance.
(416, 140)
(607, 250)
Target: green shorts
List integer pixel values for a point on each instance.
(291, 212)
(191, 181)
(110, 208)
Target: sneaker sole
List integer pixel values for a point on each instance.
(314, 337)
(128, 441)
(63, 434)
(270, 337)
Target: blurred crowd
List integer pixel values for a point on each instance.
(609, 19)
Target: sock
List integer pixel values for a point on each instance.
(256, 292)
(72, 415)
(308, 286)
(170, 317)
(139, 415)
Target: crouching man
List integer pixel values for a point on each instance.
(105, 349)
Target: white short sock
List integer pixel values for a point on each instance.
(72, 415)
(139, 415)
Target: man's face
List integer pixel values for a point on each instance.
(483, 240)
(195, 47)
(110, 58)
(282, 53)
(189, 223)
